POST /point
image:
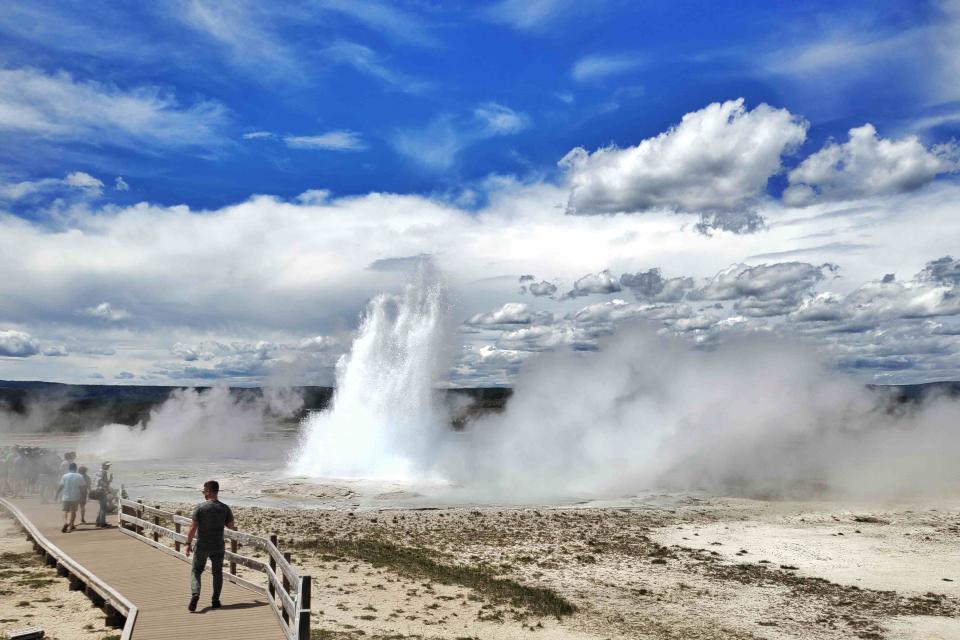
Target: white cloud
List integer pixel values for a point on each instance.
(245, 30)
(76, 184)
(365, 60)
(59, 107)
(597, 67)
(766, 289)
(17, 344)
(542, 288)
(651, 285)
(120, 184)
(531, 15)
(342, 140)
(945, 270)
(437, 145)
(511, 313)
(399, 25)
(719, 157)
(55, 350)
(867, 165)
(105, 311)
(259, 135)
(603, 282)
(84, 181)
(260, 267)
(499, 120)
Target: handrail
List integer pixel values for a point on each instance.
(111, 596)
(292, 591)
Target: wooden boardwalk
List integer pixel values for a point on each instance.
(157, 583)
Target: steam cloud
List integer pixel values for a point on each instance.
(756, 416)
(194, 423)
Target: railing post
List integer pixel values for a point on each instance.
(304, 624)
(176, 527)
(233, 564)
(156, 521)
(138, 529)
(286, 587)
(273, 565)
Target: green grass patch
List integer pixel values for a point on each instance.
(421, 564)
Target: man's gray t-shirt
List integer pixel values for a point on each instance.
(211, 518)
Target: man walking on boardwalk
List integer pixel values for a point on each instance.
(69, 490)
(209, 520)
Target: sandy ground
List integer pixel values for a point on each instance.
(31, 594)
(702, 568)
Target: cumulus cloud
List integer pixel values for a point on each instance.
(766, 289)
(542, 288)
(717, 158)
(603, 282)
(943, 270)
(120, 184)
(867, 165)
(105, 311)
(316, 263)
(58, 106)
(874, 303)
(651, 285)
(84, 181)
(511, 313)
(55, 350)
(17, 344)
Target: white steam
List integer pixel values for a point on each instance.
(757, 416)
(385, 419)
(197, 424)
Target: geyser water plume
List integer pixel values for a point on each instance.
(385, 418)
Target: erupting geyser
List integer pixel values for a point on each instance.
(384, 413)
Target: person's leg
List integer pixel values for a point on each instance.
(102, 513)
(73, 515)
(66, 517)
(199, 562)
(216, 568)
(83, 512)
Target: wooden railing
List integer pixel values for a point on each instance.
(120, 611)
(288, 592)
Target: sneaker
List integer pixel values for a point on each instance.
(193, 603)
(215, 604)
(63, 529)
(73, 528)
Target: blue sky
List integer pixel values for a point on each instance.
(496, 88)
(756, 141)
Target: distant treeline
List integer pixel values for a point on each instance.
(78, 407)
(69, 407)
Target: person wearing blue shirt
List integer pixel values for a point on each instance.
(69, 492)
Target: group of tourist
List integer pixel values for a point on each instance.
(76, 488)
(39, 471)
(28, 470)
